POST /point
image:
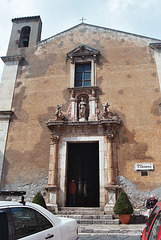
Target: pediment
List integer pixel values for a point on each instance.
(83, 50)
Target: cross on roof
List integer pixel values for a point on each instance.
(82, 19)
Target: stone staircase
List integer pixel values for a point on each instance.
(90, 220)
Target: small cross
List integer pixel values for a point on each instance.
(82, 19)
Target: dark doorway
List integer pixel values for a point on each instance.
(83, 166)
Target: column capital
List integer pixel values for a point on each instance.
(54, 138)
(109, 135)
(12, 58)
(5, 115)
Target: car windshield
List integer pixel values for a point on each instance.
(150, 219)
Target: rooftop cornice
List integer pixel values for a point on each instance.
(98, 27)
(12, 58)
(26, 18)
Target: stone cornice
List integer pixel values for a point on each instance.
(76, 89)
(155, 45)
(5, 115)
(52, 123)
(83, 50)
(12, 58)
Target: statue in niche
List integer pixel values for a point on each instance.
(82, 110)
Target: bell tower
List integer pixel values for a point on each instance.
(26, 32)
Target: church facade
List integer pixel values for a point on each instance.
(84, 104)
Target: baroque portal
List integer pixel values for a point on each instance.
(86, 127)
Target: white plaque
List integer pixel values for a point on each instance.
(144, 166)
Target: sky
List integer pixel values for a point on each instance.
(140, 17)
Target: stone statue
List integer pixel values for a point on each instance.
(105, 110)
(82, 110)
(59, 115)
(106, 114)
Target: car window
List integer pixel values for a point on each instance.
(155, 228)
(150, 219)
(43, 222)
(3, 225)
(28, 221)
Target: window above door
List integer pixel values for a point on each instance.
(83, 66)
(83, 75)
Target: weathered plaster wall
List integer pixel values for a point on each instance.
(128, 81)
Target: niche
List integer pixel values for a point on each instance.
(83, 107)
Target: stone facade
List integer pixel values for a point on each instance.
(46, 111)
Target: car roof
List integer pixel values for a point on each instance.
(35, 206)
(10, 203)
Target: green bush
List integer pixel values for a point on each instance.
(123, 204)
(39, 200)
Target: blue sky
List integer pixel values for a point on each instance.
(141, 17)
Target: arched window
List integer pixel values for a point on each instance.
(24, 36)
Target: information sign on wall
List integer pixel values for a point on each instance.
(144, 166)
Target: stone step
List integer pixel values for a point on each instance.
(121, 229)
(80, 211)
(98, 221)
(79, 217)
(88, 216)
(92, 219)
(80, 208)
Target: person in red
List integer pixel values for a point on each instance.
(72, 193)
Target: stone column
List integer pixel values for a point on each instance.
(72, 113)
(110, 160)
(111, 187)
(52, 176)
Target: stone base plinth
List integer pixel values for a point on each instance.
(51, 197)
(112, 194)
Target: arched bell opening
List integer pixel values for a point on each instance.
(24, 36)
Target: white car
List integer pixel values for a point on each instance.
(33, 222)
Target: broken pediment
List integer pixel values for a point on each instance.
(83, 50)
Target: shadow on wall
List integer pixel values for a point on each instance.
(27, 166)
(138, 198)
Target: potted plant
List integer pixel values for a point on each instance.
(39, 199)
(123, 208)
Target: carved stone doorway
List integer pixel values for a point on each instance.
(83, 166)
